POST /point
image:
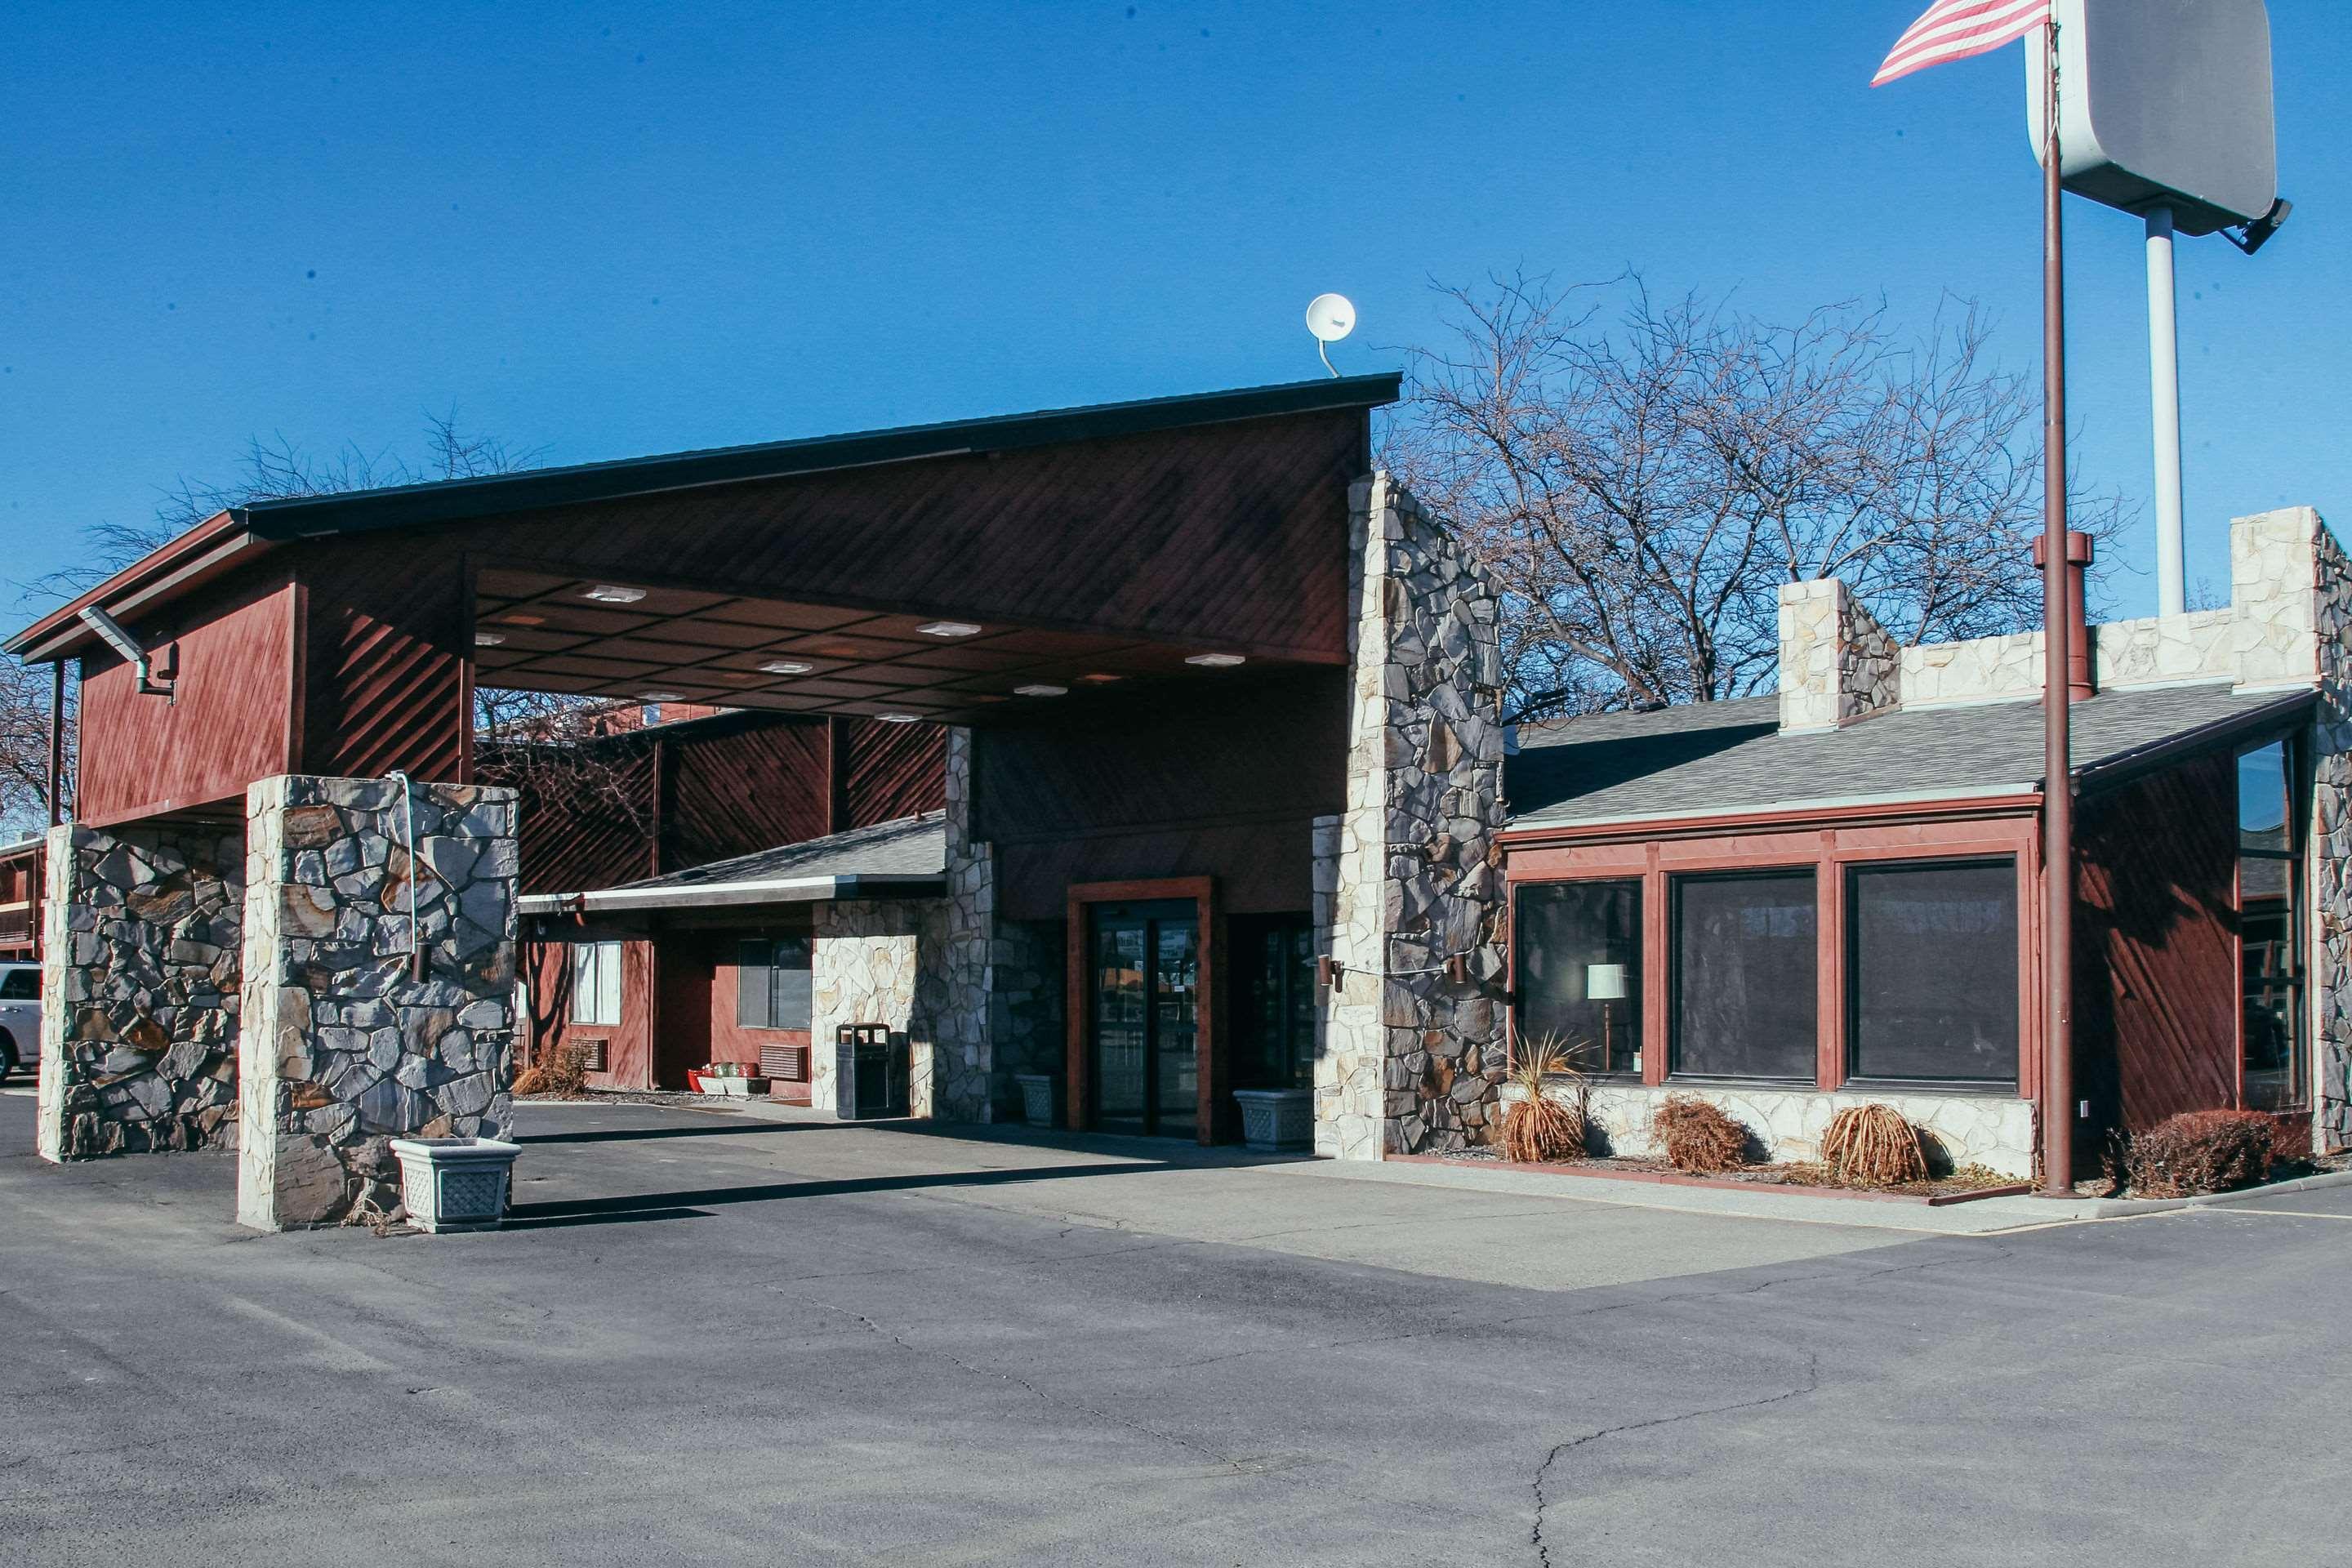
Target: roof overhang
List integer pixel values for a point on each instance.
(233, 539)
(726, 895)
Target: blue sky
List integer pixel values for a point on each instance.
(606, 233)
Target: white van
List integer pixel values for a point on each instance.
(20, 1018)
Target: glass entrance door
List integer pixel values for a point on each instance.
(1144, 985)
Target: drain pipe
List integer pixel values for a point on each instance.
(416, 869)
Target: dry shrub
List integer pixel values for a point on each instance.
(1872, 1146)
(2200, 1152)
(1536, 1127)
(561, 1073)
(1700, 1136)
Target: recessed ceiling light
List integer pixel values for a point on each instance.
(949, 630)
(660, 697)
(898, 718)
(786, 667)
(488, 639)
(521, 620)
(1041, 690)
(1099, 679)
(1216, 660)
(614, 594)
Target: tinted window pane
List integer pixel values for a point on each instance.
(1934, 985)
(1175, 1037)
(790, 1000)
(1580, 971)
(1744, 967)
(2262, 798)
(751, 984)
(21, 985)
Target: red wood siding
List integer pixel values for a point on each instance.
(387, 631)
(890, 771)
(1223, 783)
(732, 794)
(2156, 1000)
(228, 725)
(629, 1044)
(1232, 534)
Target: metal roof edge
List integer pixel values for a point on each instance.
(1530, 827)
(720, 895)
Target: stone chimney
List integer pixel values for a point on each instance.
(1837, 663)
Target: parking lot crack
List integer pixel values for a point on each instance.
(1543, 1472)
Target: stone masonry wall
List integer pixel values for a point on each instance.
(1026, 964)
(2329, 846)
(866, 967)
(1411, 1059)
(1837, 663)
(345, 1048)
(141, 941)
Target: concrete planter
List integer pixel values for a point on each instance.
(1276, 1120)
(1037, 1098)
(455, 1184)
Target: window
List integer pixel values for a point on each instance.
(1931, 987)
(2270, 889)
(1274, 1019)
(1744, 976)
(21, 985)
(1578, 972)
(772, 983)
(597, 982)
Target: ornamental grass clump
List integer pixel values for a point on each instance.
(557, 1074)
(2200, 1152)
(1872, 1146)
(1538, 1128)
(1700, 1136)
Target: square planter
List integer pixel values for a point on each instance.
(1037, 1098)
(1276, 1121)
(455, 1184)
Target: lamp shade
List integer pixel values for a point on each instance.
(1605, 982)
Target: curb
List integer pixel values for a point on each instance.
(2120, 1208)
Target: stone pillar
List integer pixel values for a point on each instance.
(1410, 1057)
(2328, 847)
(1837, 663)
(960, 1070)
(345, 1048)
(139, 989)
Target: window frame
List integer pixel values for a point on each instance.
(1638, 998)
(1811, 873)
(1849, 966)
(588, 960)
(764, 994)
(2295, 782)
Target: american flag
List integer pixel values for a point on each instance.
(1955, 29)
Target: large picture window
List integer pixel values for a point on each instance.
(1931, 982)
(597, 982)
(1578, 972)
(1744, 967)
(2269, 949)
(1274, 1015)
(772, 985)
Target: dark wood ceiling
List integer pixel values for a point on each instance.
(674, 645)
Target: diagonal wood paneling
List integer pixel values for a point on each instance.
(386, 630)
(2156, 945)
(890, 771)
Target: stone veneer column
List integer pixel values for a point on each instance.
(343, 1048)
(1837, 663)
(2329, 843)
(139, 989)
(959, 968)
(1409, 1059)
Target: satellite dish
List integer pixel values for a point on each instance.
(1330, 317)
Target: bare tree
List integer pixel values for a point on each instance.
(1642, 480)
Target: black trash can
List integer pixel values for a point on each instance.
(870, 1071)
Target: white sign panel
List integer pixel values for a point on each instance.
(2162, 103)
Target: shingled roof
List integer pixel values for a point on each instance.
(1705, 758)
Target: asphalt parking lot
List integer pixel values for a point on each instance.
(717, 1339)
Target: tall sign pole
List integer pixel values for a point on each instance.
(2163, 401)
(2057, 761)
